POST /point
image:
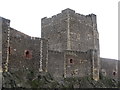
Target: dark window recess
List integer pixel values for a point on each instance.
(114, 73)
(9, 50)
(71, 60)
(28, 54)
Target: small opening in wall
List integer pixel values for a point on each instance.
(28, 54)
(9, 50)
(114, 73)
(71, 60)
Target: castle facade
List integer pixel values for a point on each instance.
(68, 47)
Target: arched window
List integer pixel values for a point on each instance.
(28, 54)
(71, 60)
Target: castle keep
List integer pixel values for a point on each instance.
(68, 47)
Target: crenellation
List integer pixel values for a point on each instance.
(68, 47)
(46, 21)
(43, 18)
(93, 18)
(60, 16)
(83, 18)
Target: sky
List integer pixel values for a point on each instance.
(25, 16)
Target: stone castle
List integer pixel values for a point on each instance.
(68, 47)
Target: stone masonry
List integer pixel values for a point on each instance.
(75, 32)
(68, 47)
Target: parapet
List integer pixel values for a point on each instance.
(88, 19)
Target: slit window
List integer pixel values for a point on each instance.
(9, 50)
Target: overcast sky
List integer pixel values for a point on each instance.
(25, 16)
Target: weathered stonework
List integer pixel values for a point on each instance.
(20, 51)
(32, 56)
(56, 63)
(68, 47)
(72, 31)
(5, 43)
(76, 62)
(110, 68)
(0, 52)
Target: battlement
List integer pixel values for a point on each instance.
(68, 47)
(88, 19)
(67, 29)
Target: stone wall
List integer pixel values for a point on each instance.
(54, 30)
(4, 27)
(69, 47)
(21, 52)
(5, 42)
(0, 52)
(26, 53)
(56, 63)
(109, 67)
(119, 70)
(78, 64)
(70, 31)
(70, 63)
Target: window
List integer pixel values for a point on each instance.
(71, 60)
(9, 50)
(28, 54)
(114, 73)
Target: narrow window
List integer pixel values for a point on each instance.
(28, 54)
(114, 73)
(71, 60)
(9, 50)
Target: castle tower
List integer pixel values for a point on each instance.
(72, 31)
